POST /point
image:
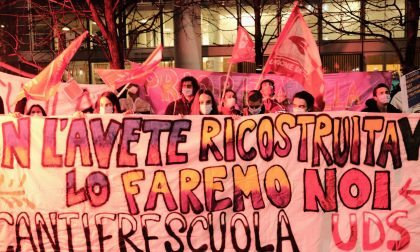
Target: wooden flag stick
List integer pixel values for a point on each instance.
(226, 81)
(122, 90)
(257, 85)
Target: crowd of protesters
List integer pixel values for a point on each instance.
(201, 101)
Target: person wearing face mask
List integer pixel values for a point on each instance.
(267, 90)
(187, 88)
(133, 101)
(229, 105)
(204, 103)
(255, 104)
(303, 102)
(107, 103)
(34, 110)
(380, 101)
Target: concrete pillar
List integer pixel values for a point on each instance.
(187, 31)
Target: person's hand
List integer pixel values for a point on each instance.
(128, 112)
(181, 116)
(16, 114)
(236, 117)
(79, 114)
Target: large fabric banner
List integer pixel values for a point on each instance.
(343, 91)
(342, 181)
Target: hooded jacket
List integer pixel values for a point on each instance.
(371, 106)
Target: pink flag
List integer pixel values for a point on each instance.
(244, 47)
(296, 55)
(155, 57)
(116, 78)
(73, 90)
(46, 83)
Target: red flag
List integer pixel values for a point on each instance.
(244, 47)
(46, 83)
(296, 55)
(116, 78)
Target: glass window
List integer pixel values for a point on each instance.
(168, 28)
(66, 30)
(144, 28)
(96, 34)
(311, 20)
(373, 68)
(100, 65)
(269, 20)
(217, 64)
(218, 26)
(23, 29)
(79, 70)
(340, 17)
(42, 33)
(167, 64)
(385, 16)
(393, 67)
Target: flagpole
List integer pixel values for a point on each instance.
(122, 91)
(261, 76)
(264, 67)
(226, 81)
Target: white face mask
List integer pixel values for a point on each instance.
(230, 102)
(106, 110)
(253, 111)
(384, 98)
(205, 109)
(187, 91)
(36, 114)
(133, 89)
(298, 110)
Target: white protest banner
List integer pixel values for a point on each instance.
(342, 181)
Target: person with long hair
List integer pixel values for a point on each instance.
(204, 103)
(187, 88)
(107, 103)
(229, 104)
(36, 110)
